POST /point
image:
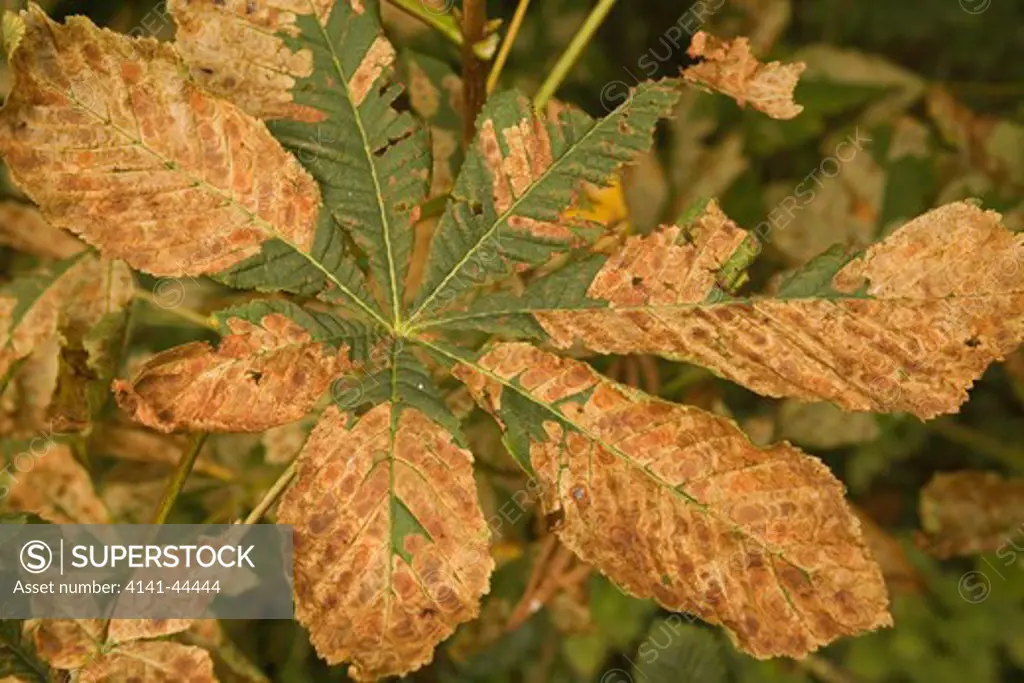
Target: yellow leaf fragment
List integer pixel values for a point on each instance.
(152, 662)
(967, 512)
(236, 49)
(261, 376)
(390, 542)
(730, 68)
(114, 143)
(22, 227)
(944, 298)
(48, 481)
(676, 504)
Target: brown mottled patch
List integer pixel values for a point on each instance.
(968, 513)
(124, 630)
(361, 603)
(151, 662)
(239, 54)
(22, 227)
(731, 69)
(196, 387)
(66, 643)
(676, 504)
(947, 298)
(515, 171)
(208, 184)
(53, 485)
(377, 60)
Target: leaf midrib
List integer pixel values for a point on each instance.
(603, 306)
(676, 490)
(510, 212)
(396, 310)
(199, 182)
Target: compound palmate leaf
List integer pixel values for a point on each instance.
(522, 174)
(676, 504)
(906, 326)
(114, 143)
(325, 70)
(391, 545)
(274, 363)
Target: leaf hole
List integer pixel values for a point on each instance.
(637, 281)
(972, 343)
(255, 375)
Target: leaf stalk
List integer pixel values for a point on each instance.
(572, 53)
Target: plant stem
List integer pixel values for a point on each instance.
(177, 482)
(506, 47)
(272, 494)
(978, 441)
(474, 85)
(572, 53)
(180, 311)
(446, 25)
(824, 670)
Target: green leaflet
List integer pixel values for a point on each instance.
(527, 415)
(565, 290)
(329, 272)
(510, 315)
(676, 650)
(814, 279)
(17, 656)
(322, 325)
(521, 175)
(406, 382)
(372, 162)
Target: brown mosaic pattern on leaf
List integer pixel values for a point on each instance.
(512, 175)
(967, 512)
(124, 630)
(73, 305)
(115, 144)
(235, 49)
(378, 59)
(367, 593)
(22, 227)
(730, 68)
(673, 265)
(948, 299)
(52, 484)
(151, 662)
(676, 504)
(261, 376)
(66, 643)
(39, 323)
